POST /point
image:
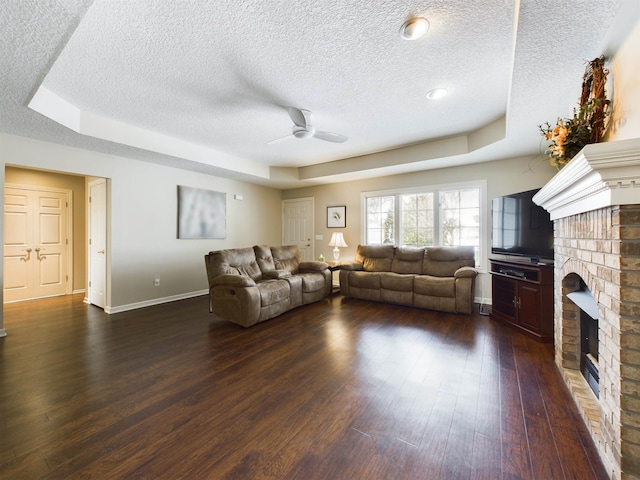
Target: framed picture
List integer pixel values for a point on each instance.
(337, 217)
(201, 213)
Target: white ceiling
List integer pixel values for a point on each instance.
(205, 86)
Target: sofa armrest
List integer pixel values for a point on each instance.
(313, 266)
(352, 266)
(233, 280)
(276, 274)
(465, 272)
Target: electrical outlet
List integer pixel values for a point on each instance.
(157, 282)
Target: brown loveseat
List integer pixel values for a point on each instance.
(250, 285)
(436, 278)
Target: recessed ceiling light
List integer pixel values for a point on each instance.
(436, 93)
(414, 28)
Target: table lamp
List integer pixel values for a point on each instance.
(337, 241)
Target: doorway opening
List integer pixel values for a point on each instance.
(42, 247)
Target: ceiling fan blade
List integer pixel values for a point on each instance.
(281, 139)
(331, 137)
(301, 118)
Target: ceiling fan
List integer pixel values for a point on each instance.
(303, 128)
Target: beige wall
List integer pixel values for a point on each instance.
(624, 123)
(75, 183)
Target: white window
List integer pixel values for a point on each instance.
(430, 216)
(380, 217)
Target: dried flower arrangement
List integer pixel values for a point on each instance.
(569, 135)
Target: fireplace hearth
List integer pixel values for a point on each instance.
(594, 202)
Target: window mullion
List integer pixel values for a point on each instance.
(397, 219)
(437, 227)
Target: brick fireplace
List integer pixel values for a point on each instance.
(595, 204)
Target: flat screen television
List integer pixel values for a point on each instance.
(521, 228)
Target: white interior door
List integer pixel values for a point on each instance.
(18, 246)
(97, 242)
(297, 225)
(36, 243)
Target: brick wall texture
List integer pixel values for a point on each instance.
(602, 247)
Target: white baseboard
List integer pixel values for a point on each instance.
(155, 301)
(482, 301)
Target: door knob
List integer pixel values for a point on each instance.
(28, 250)
(101, 251)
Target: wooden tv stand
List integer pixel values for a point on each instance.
(522, 296)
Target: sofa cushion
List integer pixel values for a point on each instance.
(364, 285)
(375, 258)
(408, 260)
(364, 280)
(236, 261)
(276, 274)
(396, 288)
(434, 286)
(273, 291)
(396, 281)
(264, 258)
(312, 281)
(444, 261)
(287, 257)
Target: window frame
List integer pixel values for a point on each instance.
(481, 185)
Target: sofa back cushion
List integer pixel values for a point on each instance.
(235, 261)
(287, 258)
(375, 258)
(264, 258)
(408, 260)
(444, 261)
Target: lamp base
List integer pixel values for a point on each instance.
(336, 254)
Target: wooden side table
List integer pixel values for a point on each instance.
(334, 267)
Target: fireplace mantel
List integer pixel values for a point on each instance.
(600, 175)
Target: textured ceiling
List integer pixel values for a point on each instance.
(205, 85)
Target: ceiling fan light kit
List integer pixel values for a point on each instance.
(299, 132)
(414, 28)
(302, 128)
(436, 93)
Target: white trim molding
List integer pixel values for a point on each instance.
(600, 175)
(154, 301)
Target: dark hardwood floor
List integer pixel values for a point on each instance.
(342, 389)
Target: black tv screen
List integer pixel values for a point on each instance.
(520, 227)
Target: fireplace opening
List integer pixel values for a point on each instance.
(589, 351)
(588, 335)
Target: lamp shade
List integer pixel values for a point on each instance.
(337, 240)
